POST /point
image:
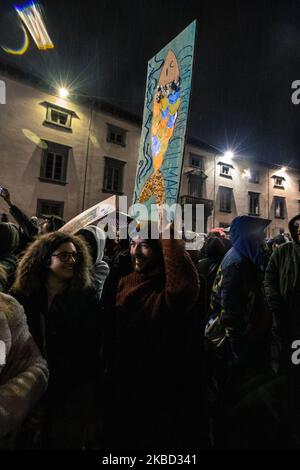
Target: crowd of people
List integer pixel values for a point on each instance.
(140, 344)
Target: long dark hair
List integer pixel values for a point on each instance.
(33, 269)
(3, 277)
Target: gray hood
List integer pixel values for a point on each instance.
(99, 238)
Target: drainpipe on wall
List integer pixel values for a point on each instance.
(87, 155)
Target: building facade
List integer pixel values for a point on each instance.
(61, 156)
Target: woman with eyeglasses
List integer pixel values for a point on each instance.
(54, 283)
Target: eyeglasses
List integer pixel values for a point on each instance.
(65, 256)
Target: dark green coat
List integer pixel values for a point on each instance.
(281, 275)
(282, 287)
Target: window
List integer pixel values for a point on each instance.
(58, 117)
(195, 186)
(116, 135)
(254, 176)
(278, 181)
(225, 169)
(113, 176)
(45, 207)
(196, 161)
(279, 204)
(225, 199)
(54, 163)
(253, 203)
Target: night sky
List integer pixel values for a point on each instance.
(246, 58)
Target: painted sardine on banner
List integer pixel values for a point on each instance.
(165, 117)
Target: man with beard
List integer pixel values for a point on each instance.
(282, 286)
(151, 380)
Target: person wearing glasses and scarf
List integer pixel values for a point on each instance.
(54, 283)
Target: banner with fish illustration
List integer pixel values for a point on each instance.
(166, 110)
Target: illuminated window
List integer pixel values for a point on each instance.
(278, 181)
(279, 205)
(113, 176)
(116, 135)
(58, 117)
(225, 169)
(54, 163)
(253, 203)
(225, 199)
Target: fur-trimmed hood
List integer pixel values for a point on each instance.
(293, 229)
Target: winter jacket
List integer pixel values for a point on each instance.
(96, 240)
(9, 241)
(28, 227)
(23, 371)
(239, 312)
(149, 371)
(282, 287)
(215, 250)
(69, 335)
(283, 272)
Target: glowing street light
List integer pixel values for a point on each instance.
(229, 154)
(284, 168)
(63, 92)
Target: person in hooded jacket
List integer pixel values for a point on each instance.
(240, 316)
(282, 287)
(239, 327)
(9, 242)
(95, 239)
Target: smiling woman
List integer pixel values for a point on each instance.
(55, 284)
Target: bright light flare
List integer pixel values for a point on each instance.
(284, 168)
(63, 92)
(246, 174)
(31, 16)
(229, 154)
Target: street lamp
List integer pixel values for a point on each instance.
(229, 154)
(63, 92)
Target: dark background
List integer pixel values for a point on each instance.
(246, 58)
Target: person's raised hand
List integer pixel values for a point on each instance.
(6, 196)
